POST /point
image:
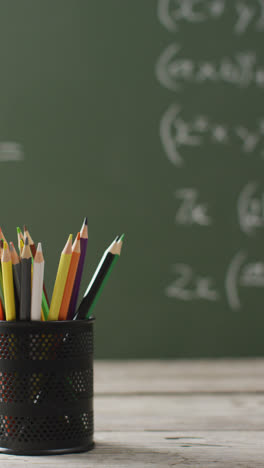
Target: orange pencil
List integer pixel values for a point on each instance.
(76, 251)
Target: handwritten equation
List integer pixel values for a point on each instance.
(177, 133)
(240, 70)
(251, 208)
(192, 210)
(187, 285)
(242, 273)
(11, 151)
(245, 14)
(182, 136)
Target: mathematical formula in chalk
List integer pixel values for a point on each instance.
(191, 210)
(250, 208)
(11, 151)
(245, 14)
(178, 133)
(241, 273)
(241, 69)
(187, 285)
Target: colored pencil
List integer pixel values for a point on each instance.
(78, 277)
(2, 287)
(99, 279)
(25, 296)
(21, 246)
(33, 251)
(37, 284)
(76, 251)
(16, 266)
(45, 307)
(2, 313)
(3, 237)
(60, 281)
(30, 241)
(9, 294)
(19, 236)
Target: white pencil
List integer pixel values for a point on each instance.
(37, 284)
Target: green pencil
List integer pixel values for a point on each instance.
(99, 279)
(45, 306)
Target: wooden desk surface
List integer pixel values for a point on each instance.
(207, 414)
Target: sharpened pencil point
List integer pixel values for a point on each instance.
(85, 221)
(25, 228)
(121, 237)
(78, 236)
(26, 240)
(18, 230)
(11, 247)
(39, 248)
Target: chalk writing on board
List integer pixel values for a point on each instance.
(11, 151)
(241, 69)
(247, 13)
(189, 286)
(177, 133)
(242, 273)
(251, 208)
(191, 211)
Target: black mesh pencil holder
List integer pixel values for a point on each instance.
(46, 387)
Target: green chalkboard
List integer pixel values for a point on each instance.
(146, 116)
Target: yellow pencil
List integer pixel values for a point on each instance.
(21, 246)
(9, 294)
(60, 281)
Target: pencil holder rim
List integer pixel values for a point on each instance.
(51, 323)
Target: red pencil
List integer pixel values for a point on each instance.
(2, 314)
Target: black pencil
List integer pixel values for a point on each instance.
(25, 296)
(99, 279)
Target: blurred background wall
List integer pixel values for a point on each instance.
(146, 116)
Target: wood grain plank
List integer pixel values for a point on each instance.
(182, 376)
(180, 413)
(158, 450)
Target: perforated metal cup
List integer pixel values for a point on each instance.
(46, 387)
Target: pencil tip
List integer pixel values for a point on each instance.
(26, 240)
(121, 237)
(18, 230)
(25, 227)
(11, 246)
(78, 236)
(39, 248)
(85, 221)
